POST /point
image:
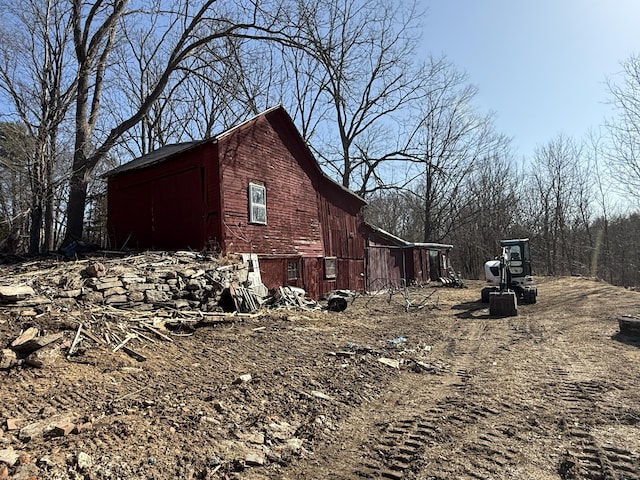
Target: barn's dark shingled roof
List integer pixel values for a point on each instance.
(156, 156)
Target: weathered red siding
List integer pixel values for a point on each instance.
(419, 271)
(384, 267)
(307, 215)
(162, 206)
(255, 153)
(273, 271)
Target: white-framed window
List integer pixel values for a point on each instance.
(292, 270)
(257, 203)
(330, 267)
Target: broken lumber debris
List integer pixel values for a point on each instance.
(125, 302)
(292, 298)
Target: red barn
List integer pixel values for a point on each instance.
(254, 189)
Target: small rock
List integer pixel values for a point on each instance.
(8, 359)
(30, 431)
(109, 292)
(36, 343)
(70, 293)
(108, 283)
(9, 456)
(84, 461)
(281, 431)
(14, 423)
(63, 429)
(243, 378)
(255, 459)
(295, 444)
(136, 296)
(9, 294)
(43, 357)
(82, 427)
(29, 334)
(95, 270)
(155, 296)
(24, 458)
(116, 299)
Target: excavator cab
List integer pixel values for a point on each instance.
(519, 256)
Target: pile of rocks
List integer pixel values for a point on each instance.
(142, 282)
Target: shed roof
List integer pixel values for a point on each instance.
(157, 156)
(397, 241)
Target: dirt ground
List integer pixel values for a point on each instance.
(440, 392)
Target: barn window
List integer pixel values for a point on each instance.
(292, 270)
(257, 203)
(330, 267)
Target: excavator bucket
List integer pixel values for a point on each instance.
(503, 304)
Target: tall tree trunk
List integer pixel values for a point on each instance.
(36, 227)
(77, 198)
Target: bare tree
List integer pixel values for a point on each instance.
(625, 128)
(361, 63)
(558, 192)
(16, 147)
(495, 212)
(446, 146)
(36, 80)
(220, 85)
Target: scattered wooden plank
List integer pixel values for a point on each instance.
(133, 354)
(90, 335)
(76, 339)
(156, 332)
(142, 335)
(129, 337)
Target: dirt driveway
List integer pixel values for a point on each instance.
(441, 392)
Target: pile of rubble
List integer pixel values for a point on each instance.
(179, 281)
(117, 302)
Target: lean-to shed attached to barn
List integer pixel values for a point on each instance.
(392, 261)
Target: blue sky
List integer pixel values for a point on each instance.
(540, 65)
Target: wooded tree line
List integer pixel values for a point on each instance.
(86, 85)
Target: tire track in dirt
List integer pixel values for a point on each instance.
(579, 384)
(437, 426)
(585, 456)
